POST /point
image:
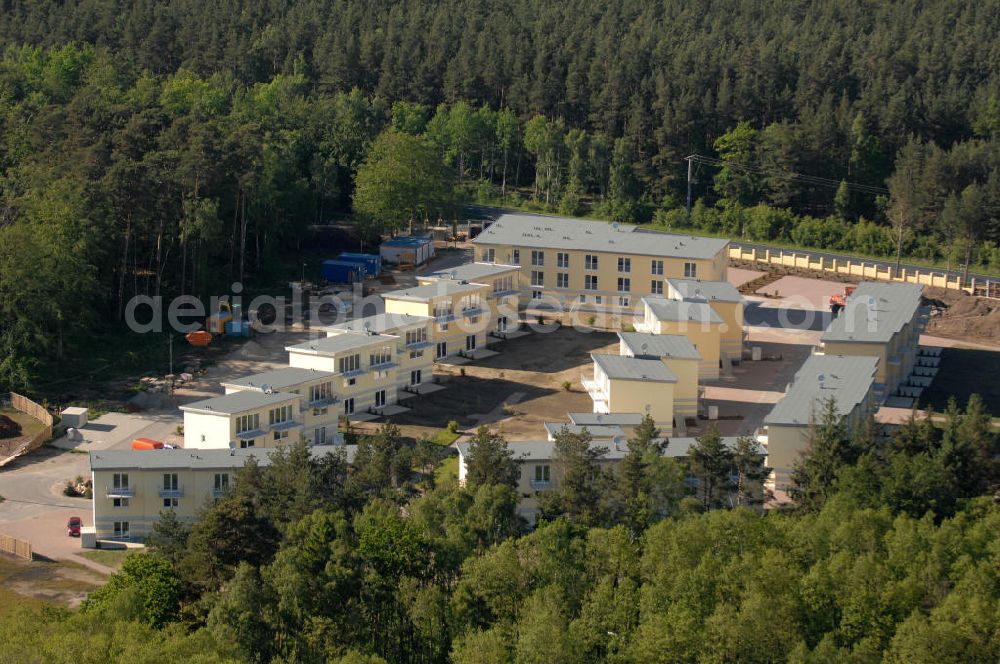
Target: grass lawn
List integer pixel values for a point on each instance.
(37, 583)
(112, 558)
(447, 472)
(444, 438)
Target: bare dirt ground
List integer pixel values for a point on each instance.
(527, 375)
(960, 316)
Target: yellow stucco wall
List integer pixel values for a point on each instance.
(632, 396)
(144, 506)
(640, 274)
(706, 338)
(686, 387)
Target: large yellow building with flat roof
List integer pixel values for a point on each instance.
(132, 487)
(596, 265)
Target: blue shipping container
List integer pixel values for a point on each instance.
(342, 272)
(372, 262)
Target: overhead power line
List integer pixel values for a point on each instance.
(791, 175)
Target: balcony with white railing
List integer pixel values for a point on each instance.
(539, 485)
(119, 491)
(172, 492)
(597, 393)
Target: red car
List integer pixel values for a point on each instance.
(73, 527)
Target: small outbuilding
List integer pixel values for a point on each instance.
(342, 272)
(408, 249)
(75, 417)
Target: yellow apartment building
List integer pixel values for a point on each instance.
(504, 298)
(633, 385)
(539, 467)
(848, 380)
(463, 313)
(132, 487)
(724, 300)
(882, 320)
(695, 320)
(678, 354)
(414, 347)
(243, 419)
(594, 265)
(364, 367)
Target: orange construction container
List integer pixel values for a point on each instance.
(199, 338)
(146, 444)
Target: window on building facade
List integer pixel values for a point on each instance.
(690, 270)
(590, 262)
(321, 392)
(247, 423)
(538, 258)
(624, 284)
(656, 268)
(562, 280)
(562, 259)
(349, 363)
(624, 264)
(656, 287)
(515, 257)
(279, 415)
(590, 282)
(381, 356)
(537, 278)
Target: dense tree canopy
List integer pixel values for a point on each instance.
(166, 148)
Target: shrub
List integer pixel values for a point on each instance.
(452, 426)
(567, 386)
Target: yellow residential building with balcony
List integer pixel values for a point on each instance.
(132, 487)
(318, 400)
(503, 281)
(463, 313)
(243, 419)
(414, 347)
(364, 367)
(593, 265)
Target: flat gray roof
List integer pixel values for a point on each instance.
(340, 343)
(598, 431)
(695, 289)
(621, 419)
(681, 311)
(238, 402)
(183, 459)
(471, 271)
(521, 230)
(874, 312)
(544, 450)
(634, 368)
(845, 378)
(647, 345)
(430, 291)
(278, 379)
(379, 323)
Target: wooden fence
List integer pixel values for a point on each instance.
(16, 547)
(15, 447)
(865, 269)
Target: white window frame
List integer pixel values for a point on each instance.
(656, 287)
(537, 258)
(590, 262)
(690, 270)
(537, 278)
(562, 259)
(624, 285)
(590, 282)
(562, 280)
(624, 265)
